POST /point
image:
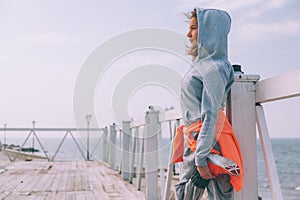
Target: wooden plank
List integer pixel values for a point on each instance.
(78, 182)
(244, 125)
(4, 194)
(279, 87)
(20, 197)
(70, 181)
(112, 147)
(41, 196)
(139, 170)
(19, 179)
(134, 154)
(31, 181)
(6, 177)
(80, 196)
(151, 153)
(61, 196)
(169, 115)
(97, 183)
(58, 170)
(107, 184)
(85, 182)
(267, 150)
(90, 196)
(40, 180)
(51, 196)
(65, 177)
(170, 165)
(56, 179)
(137, 123)
(65, 180)
(125, 150)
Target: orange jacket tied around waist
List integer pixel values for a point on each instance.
(226, 139)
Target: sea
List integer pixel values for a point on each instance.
(287, 159)
(286, 153)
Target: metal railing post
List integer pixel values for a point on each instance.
(125, 150)
(241, 110)
(88, 143)
(33, 126)
(151, 153)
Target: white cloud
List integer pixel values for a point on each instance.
(275, 4)
(4, 57)
(48, 39)
(250, 8)
(261, 31)
(262, 7)
(221, 4)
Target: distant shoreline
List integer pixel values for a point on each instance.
(5, 154)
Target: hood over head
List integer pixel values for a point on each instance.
(213, 29)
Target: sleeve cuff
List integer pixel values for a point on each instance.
(201, 161)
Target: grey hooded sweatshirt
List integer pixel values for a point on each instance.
(206, 84)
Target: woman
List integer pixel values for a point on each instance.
(203, 93)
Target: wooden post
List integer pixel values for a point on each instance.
(119, 152)
(140, 163)
(267, 151)
(151, 153)
(242, 104)
(112, 145)
(134, 154)
(125, 150)
(170, 165)
(105, 145)
(161, 167)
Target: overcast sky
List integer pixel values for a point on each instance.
(45, 43)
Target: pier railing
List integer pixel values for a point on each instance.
(245, 111)
(34, 134)
(241, 112)
(139, 149)
(273, 89)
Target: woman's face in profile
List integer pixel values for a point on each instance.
(193, 31)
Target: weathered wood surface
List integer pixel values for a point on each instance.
(63, 180)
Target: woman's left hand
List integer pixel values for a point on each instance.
(205, 172)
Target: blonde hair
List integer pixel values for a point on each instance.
(193, 49)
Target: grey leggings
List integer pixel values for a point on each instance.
(219, 188)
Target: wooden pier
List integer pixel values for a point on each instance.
(63, 180)
(139, 150)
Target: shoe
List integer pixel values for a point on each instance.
(227, 164)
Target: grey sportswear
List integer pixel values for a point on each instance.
(203, 93)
